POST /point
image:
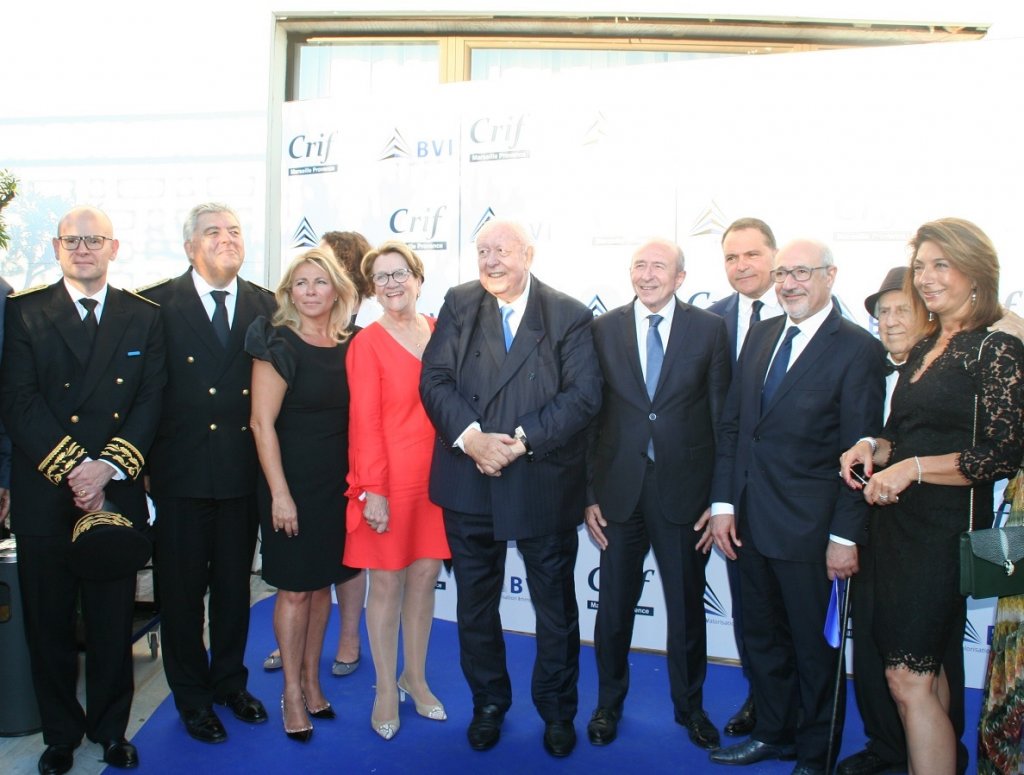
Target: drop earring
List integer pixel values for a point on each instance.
(974, 297)
(931, 317)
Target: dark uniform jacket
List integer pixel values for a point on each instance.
(204, 448)
(62, 402)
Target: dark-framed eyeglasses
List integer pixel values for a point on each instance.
(399, 275)
(800, 273)
(92, 241)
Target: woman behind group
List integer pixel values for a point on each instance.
(936, 466)
(394, 529)
(300, 422)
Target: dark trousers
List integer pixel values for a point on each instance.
(49, 592)
(479, 564)
(681, 568)
(791, 666)
(882, 723)
(204, 544)
(732, 571)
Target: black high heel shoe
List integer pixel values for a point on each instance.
(325, 712)
(302, 735)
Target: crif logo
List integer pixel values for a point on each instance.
(594, 578)
(312, 153)
(419, 228)
(1015, 301)
(503, 135)
(597, 306)
(712, 603)
(305, 235)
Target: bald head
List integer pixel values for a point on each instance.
(812, 260)
(85, 267)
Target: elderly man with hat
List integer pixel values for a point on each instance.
(80, 395)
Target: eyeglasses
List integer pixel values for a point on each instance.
(399, 275)
(800, 273)
(92, 242)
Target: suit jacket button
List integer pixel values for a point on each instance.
(245, 391)
(67, 385)
(213, 391)
(117, 416)
(213, 426)
(74, 418)
(245, 428)
(652, 416)
(190, 359)
(476, 398)
(119, 381)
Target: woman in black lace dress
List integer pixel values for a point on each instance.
(933, 463)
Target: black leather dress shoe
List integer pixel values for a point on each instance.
(203, 725)
(751, 751)
(702, 732)
(120, 754)
(245, 707)
(485, 728)
(57, 759)
(867, 762)
(807, 769)
(742, 723)
(603, 726)
(559, 738)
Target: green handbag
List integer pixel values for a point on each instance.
(992, 561)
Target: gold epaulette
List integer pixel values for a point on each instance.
(135, 295)
(27, 291)
(61, 460)
(125, 455)
(145, 288)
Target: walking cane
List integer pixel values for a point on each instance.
(830, 633)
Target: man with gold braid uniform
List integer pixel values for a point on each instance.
(80, 392)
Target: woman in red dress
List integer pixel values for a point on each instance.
(393, 528)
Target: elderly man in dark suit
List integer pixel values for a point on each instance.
(805, 387)
(510, 381)
(80, 396)
(666, 369)
(749, 248)
(202, 471)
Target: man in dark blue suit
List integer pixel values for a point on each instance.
(666, 369)
(749, 248)
(805, 385)
(510, 380)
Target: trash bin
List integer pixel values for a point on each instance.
(19, 712)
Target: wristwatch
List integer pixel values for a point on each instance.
(520, 435)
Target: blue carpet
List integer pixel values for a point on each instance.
(648, 742)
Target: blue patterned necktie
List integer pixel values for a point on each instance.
(777, 371)
(655, 354)
(506, 313)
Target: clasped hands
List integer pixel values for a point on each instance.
(492, 451)
(87, 482)
(881, 488)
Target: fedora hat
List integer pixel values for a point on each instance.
(893, 282)
(106, 546)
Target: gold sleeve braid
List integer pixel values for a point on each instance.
(126, 456)
(61, 460)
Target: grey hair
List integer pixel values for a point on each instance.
(189, 228)
(521, 232)
(673, 248)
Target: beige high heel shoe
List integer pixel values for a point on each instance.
(431, 710)
(386, 729)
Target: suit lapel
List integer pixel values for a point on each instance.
(809, 357)
(65, 318)
(528, 336)
(625, 332)
(490, 327)
(681, 322)
(732, 317)
(194, 314)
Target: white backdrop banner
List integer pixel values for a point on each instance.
(856, 148)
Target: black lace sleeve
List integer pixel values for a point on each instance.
(998, 370)
(265, 342)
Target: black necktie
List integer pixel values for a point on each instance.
(220, 317)
(777, 371)
(89, 322)
(755, 313)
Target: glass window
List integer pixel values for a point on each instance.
(336, 68)
(508, 64)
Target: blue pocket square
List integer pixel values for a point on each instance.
(134, 353)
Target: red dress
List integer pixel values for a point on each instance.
(391, 442)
